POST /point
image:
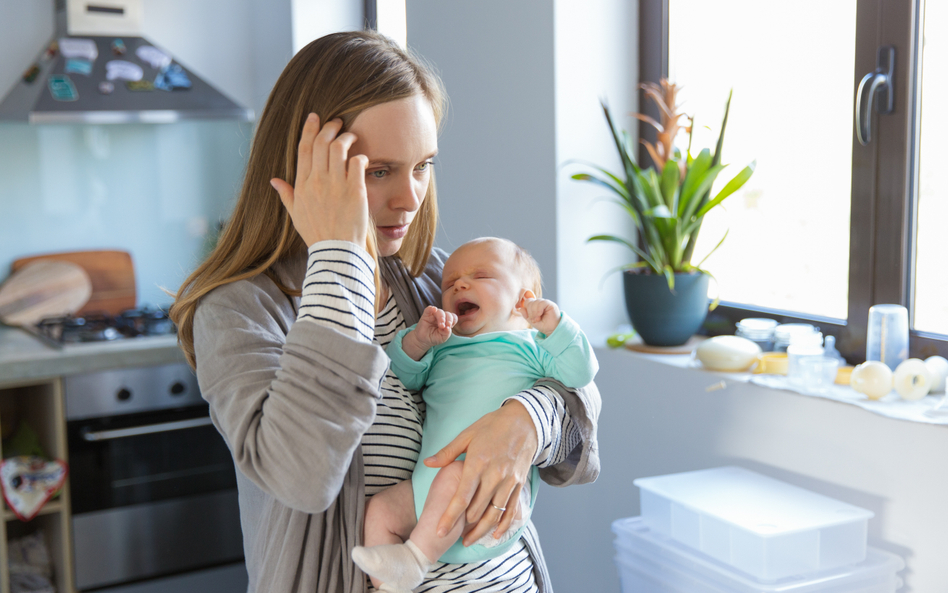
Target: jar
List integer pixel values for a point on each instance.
(759, 330)
(797, 352)
(802, 334)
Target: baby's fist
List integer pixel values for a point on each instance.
(543, 314)
(435, 325)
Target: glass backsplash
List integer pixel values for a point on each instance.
(156, 191)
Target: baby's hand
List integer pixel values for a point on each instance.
(433, 328)
(542, 314)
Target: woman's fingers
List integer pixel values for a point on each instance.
(321, 146)
(499, 504)
(511, 512)
(305, 158)
(338, 159)
(285, 190)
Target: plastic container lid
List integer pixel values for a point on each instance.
(762, 526)
(757, 328)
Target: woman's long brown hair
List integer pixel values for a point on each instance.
(339, 75)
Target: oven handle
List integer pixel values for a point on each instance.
(105, 435)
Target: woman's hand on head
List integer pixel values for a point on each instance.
(499, 448)
(328, 200)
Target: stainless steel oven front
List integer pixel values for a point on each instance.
(153, 485)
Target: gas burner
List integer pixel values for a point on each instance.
(101, 327)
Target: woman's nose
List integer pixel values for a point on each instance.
(408, 195)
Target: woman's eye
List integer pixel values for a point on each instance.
(378, 174)
(424, 166)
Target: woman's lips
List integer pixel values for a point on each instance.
(394, 232)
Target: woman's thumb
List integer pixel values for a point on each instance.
(285, 190)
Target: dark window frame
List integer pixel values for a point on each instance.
(884, 201)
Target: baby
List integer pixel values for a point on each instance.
(491, 290)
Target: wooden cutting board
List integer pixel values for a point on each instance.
(42, 289)
(112, 275)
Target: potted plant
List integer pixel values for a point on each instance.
(666, 295)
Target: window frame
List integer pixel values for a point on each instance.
(884, 202)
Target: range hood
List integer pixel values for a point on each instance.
(86, 86)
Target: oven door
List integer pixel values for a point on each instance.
(153, 494)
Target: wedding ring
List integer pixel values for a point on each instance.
(501, 509)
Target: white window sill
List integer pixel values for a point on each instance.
(891, 406)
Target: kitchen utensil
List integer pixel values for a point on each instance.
(887, 338)
(796, 353)
(800, 334)
(772, 363)
(759, 330)
(816, 373)
(111, 272)
(43, 289)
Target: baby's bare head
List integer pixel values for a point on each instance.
(519, 260)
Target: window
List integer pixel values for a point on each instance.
(827, 226)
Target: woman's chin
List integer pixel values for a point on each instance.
(388, 247)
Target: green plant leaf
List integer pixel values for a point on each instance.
(705, 258)
(621, 191)
(660, 211)
(651, 262)
(717, 299)
(729, 188)
(630, 211)
(696, 171)
(670, 277)
(671, 177)
(720, 144)
(701, 192)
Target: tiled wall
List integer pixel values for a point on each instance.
(157, 191)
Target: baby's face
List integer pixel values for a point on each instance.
(482, 286)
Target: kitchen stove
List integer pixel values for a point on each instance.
(100, 327)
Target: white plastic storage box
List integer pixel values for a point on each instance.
(652, 563)
(762, 526)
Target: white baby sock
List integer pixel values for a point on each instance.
(401, 567)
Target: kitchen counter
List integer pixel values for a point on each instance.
(24, 359)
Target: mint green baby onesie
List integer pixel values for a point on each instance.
(466, 378)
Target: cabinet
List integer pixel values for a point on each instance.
(40, 405)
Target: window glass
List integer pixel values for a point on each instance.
(931, 274)
(788, 241)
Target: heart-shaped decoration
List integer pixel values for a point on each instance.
(28, 482)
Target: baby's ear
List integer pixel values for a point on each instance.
(527, 294)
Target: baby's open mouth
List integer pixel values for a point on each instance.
(465, 308)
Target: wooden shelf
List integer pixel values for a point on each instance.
(52, 506)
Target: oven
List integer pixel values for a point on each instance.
(153, 485)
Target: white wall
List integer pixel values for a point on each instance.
(659, 419)
(314, 18)
(596, 54)
(239, 47)
(496, 168)
(524, 83)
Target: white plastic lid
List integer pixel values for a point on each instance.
(751, 501)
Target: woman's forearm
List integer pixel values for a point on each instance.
(292, 399)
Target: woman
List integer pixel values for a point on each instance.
(312, 417)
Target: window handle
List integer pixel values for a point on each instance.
(880, 81)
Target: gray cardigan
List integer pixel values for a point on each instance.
(293, 400)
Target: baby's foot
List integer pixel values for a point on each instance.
(401, 567)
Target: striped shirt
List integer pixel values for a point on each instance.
(339, 291)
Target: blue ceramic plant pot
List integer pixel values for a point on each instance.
(663, 317)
